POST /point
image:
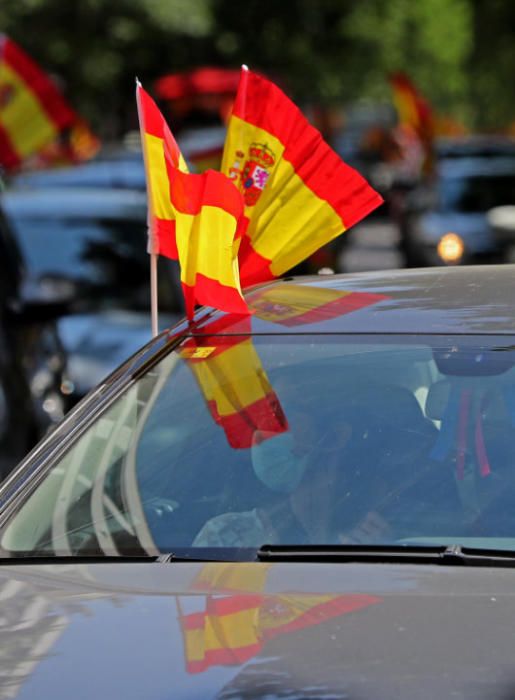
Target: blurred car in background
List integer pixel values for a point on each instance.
(445, 221)
(33, 380)
(87, 247)
(502, 222)
(474, 146)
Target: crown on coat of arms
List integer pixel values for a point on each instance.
(261, 154)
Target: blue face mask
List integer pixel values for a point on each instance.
(276, 465)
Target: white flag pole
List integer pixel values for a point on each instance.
(152, 248)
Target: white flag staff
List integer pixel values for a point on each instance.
(152, 242)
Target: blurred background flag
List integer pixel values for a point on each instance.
(234, 384)
(192, 218)
(298, 193)
(37, 125)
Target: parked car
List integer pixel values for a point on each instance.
(88, 246)
(445, 222)
(32, 361)
(313, 502)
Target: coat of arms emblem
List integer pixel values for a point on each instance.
(255, 172)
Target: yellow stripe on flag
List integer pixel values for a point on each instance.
(26, 134)
(205, 245)
(159, 183)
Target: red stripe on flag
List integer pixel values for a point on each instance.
(154, 124)
(167, 243)
(51, 101)
(206, 290)
(254, 268)
(264, 105)
(189, 192)
(266, 415)
(224, 657)
(9, 157)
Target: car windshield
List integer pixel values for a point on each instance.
(231, 442)
(477, 193)
(102, 263)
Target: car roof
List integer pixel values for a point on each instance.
(445, 300)
(60, 203)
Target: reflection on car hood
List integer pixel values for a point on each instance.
(254, 630)
(97, 343)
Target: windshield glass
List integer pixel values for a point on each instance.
(477, 193)
(233, 442)
(104, 261)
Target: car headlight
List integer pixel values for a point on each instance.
(450, 248)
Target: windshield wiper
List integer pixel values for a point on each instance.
(40, 558)
(445, 555)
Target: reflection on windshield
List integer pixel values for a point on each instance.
(235, 386)
(230, 629)
(388, 440)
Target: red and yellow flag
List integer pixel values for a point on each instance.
(298, 193)
(234, 384)
(295, 304)
(32, 110)
(192, 218)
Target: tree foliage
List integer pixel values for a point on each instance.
(460, 53)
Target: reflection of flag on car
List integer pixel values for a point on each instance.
(234, 384)
(33, 113)
(294, 305)
(298, 193)
(192, 218)
(231, 629)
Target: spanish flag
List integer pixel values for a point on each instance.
(192, 218)
(32, 110)
(296, 305)
(234, 384)
(412, 109)
(298, 193)
(232, 629)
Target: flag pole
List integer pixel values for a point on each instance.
(244, 80)
(153, 294)
(154, 325)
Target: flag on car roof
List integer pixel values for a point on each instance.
(192, 218)
(34, 115)
(298, 193)
(234, 384)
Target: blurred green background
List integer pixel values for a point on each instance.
(460, 53)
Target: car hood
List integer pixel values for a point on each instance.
(193, 631)
(97, 343)
(473, 229)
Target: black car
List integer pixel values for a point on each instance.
(32, 361)
(89, 246)
(315, 502)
